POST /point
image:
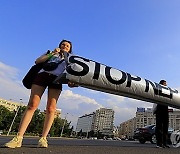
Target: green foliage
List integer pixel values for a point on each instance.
(57, 127)
(36, 125)
(5, 118)
(17, 119)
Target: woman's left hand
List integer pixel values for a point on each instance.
(72, 84)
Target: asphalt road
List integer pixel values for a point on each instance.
(84, 146)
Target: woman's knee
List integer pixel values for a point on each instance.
(32, 106)
(51, 109)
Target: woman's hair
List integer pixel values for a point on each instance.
(162, 82)
(70, 51)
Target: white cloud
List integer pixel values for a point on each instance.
(178, 89)
(76, 105)
(10, 87)
(92, 91)
(73, 101)
(7, 71)
(113, 99)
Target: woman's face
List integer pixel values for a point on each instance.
(65, 46)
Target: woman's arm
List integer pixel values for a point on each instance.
(45, 57)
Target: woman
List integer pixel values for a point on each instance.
(44, 79)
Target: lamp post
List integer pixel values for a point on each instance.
(14, 118)
(63, 125)
(72, 129)
(88, 127)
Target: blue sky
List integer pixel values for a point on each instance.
(140, 37)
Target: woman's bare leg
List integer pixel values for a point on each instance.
(35, 97)
(53, 95)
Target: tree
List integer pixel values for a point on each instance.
(79, 133)
(58, 125)
(36, 124)
(6, 117)
(91, 133)
(55, 129)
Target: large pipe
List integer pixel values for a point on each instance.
(93, 75)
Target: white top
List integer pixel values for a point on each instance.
(61, 67)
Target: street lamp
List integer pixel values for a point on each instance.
(63, 125)
(14, 117)
(72, 129)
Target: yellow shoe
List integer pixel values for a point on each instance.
(16, 142)
(43, 142)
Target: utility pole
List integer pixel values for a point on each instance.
(14, 118)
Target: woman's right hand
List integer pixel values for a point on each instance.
(56, 51)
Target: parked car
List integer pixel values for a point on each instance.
(148, 134)
(117, 138)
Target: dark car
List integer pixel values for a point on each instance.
(148, 134)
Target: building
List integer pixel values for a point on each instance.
(174, 119)
(102, 120)
(58, 113)
(126, 129)
(85, 123)
(10, 105)
(146, 117)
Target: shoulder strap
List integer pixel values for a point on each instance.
(60, 61)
